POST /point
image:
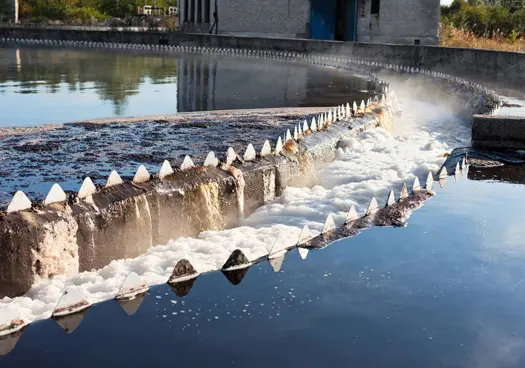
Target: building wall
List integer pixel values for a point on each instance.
(399, 21)
(270, 18)
(196, 16)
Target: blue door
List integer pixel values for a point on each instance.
(351, 20)
(322, 19)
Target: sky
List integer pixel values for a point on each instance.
(446, 2)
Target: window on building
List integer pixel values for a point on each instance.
(375, 7)
(207, 9)
(186, 10)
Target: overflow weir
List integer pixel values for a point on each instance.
(66, 234)
(82, 232)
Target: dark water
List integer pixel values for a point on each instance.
(447, 291)
(34, 162)
(45, 86)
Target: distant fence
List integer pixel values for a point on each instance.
(184, 28)
(83, 28)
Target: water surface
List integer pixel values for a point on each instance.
(48, 86)
(447, 291)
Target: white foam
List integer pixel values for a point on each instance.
(372, 164)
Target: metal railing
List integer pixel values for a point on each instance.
(84, 28)
(184, 28)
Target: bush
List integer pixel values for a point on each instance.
(486, 20)
(83, 16)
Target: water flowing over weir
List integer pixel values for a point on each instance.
(125, 220)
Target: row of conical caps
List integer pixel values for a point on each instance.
(72, 305)
(56, 194)
(324, 120)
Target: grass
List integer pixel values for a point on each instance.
(456, 37)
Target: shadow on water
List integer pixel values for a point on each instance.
(65, 85)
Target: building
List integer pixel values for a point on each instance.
(384, 21)
(150, 10)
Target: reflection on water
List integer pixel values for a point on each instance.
(446, 291)
(42, 86)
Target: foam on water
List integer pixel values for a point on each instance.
(372, 164)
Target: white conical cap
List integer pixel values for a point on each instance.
(305, 126)
(187, 163)
(351, 215)
(295, 133)
(305, 235)
(299, 129)
(211, 160)
(373, 206)
(250, 153)
(87, 188)
(279, 146)
(71, 301)
(113, 179)
(348, 110)
(266, 149)
(56, 194)
(19, 202)
(165, 169)
(430, 181)
(363, 106)
(131, 287)
(355, 107)
(391, 198)
(142, 175)
(404, 192)
(329, 225)
(416, 186)
(313, 126)
(443, 174)
(231, 156)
